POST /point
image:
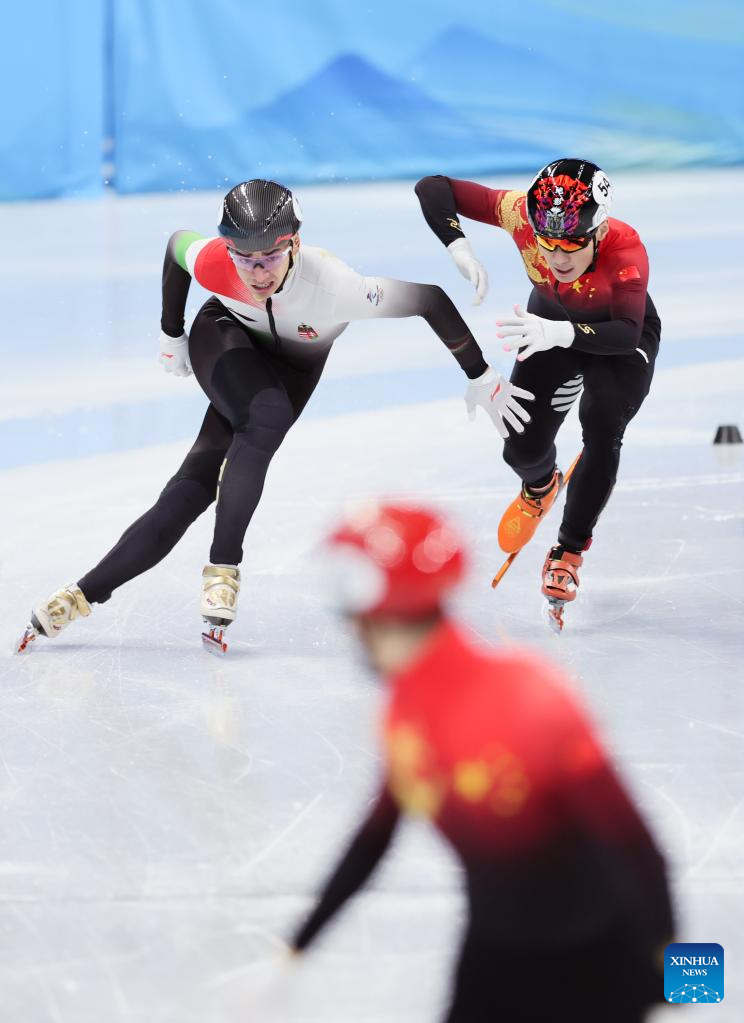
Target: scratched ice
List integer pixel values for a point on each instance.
(167, 816)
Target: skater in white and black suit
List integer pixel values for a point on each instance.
(257, 348)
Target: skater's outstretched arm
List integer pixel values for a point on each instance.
(174, 341)
(443, 200)
(360, 298)
(176, 282)
(360, 859)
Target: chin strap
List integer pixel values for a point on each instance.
(595, 243)
(269, 310)
(272, 325)
(289, 268)
(593, 264)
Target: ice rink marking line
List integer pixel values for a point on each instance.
(715, 839)
(340, 762)
(628, 610)
(684, 821)
(717, 728)
(278, 839)
(503, 490)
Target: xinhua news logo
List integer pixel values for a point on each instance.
(693, 972)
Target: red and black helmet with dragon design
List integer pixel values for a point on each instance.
(568, 199)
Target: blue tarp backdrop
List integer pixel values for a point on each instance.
(199, 94)
(52, 83)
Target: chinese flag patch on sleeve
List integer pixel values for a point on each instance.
(629, 273)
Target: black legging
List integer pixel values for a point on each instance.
(614, 387)
(255, 395)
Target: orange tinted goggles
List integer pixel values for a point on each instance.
(566, 244)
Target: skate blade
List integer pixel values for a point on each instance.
(553, 613)
(24, 645)
(213, 641)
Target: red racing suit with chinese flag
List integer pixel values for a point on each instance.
(609, 364)
(562, 876)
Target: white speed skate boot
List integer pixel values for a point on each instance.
(219, 603)
(53, 615)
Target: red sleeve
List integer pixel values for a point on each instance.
(443, 198)
(477, 202)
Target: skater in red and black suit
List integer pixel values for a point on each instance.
(568, 906)
(590, 326)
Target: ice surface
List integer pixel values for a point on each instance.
(166, 815)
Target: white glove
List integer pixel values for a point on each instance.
(499, 398)
(174, 354)
(534, 333)
(469, 267)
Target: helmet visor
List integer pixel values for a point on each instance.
(249, 261)
(565, 244)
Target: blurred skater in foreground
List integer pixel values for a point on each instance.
(568, 905)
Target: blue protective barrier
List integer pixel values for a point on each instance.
(201, 95)
(52, 71)
(217, 93)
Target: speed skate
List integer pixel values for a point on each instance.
(213, 639)
(560, 583)
(24, 645)
(560, 580)
(219, 602)
(51, 616)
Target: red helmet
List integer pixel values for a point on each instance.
(395, 560)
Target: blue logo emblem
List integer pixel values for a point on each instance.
(693, 972)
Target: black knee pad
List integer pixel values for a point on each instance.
(266, 422)
(184, 498)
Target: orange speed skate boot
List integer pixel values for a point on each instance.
(522, 517)
(560, 582)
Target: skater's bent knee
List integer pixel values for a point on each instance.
(521, 456)
(605, 424)
(265, 424)
(269, 410)
(255, 437)
(190, 492)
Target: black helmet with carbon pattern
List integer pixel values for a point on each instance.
(259, 215)
(568, 199)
